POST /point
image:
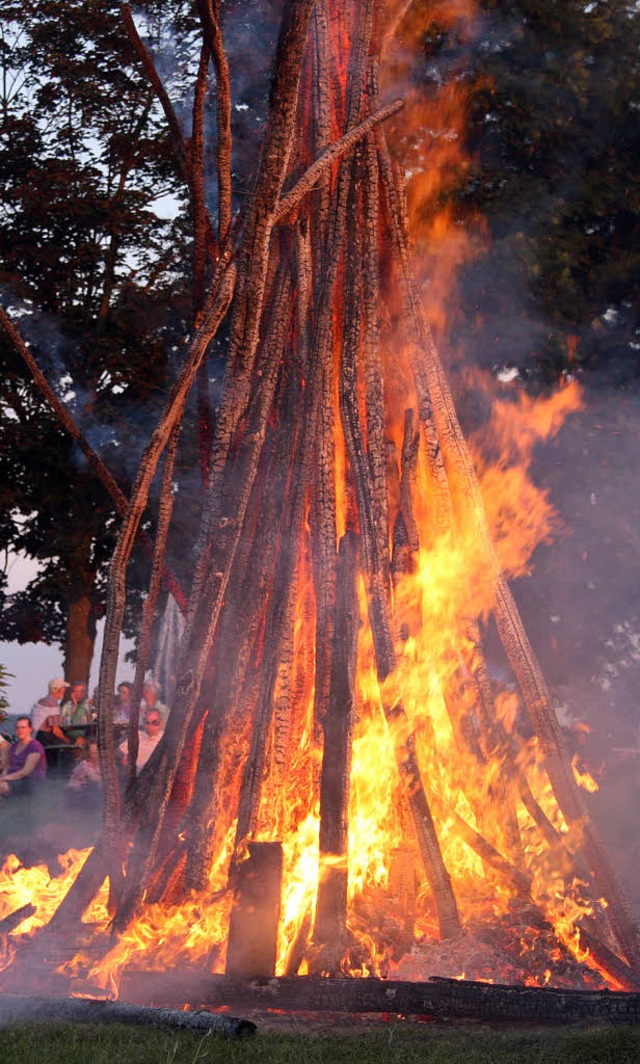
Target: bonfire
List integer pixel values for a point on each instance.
(342, 789)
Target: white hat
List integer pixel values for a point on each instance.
(57, 683)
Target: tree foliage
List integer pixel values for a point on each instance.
(95, 272)
(553, 136)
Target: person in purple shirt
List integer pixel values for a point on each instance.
(27, 764)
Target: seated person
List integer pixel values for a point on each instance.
(50, 703)
(59, 750)
(85, 782)
(4, 744)
(76, 709)
(148, 738)
(27, 764)
(122, 707)
(151, 700)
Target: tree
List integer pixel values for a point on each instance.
(553, 134)
(95, 272)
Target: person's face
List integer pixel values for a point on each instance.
(78, 692)
(152, 724)
(23, 730)
(123, 693)
(149, 695)
(57, 692)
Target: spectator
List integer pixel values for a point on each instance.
(122, 708)
(59, 750)
(86, 779)
(151, 700)
(148, 738)
(27, 764)
(50, 703)
(76, 710)
(4, 744)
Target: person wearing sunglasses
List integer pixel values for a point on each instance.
(148, 738)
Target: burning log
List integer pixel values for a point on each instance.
(16, 1009)
(14, 919)
(256, 907)
(428, 845)
(444, 999)
(330, 930)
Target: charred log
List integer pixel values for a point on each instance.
(337, 725)
(444, 999)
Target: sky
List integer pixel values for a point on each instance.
(33, 664)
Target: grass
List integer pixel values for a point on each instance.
(394, 1044)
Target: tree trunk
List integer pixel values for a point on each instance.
(81, 631)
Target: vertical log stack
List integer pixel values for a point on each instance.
(301, 460)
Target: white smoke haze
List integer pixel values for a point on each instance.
(580, 604)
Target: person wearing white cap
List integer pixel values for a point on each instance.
(49, 704)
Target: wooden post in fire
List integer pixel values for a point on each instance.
(330, 930)
(253, 928)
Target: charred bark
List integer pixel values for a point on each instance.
(440, 998)
(330, 930)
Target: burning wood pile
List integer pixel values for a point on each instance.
(341, 788)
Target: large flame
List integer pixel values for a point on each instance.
(436, 605)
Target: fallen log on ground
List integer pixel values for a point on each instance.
(16, 1008)
(439, 998)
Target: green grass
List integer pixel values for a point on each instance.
(392, 1044)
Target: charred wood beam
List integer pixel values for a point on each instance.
(14, 919)
(236, 491)
(17, 1009)
(608, 961)
(254, 254)
(198, 206)
(328, 157)
(376, 566)
(406, 541)
(427, 839)
(233, 659)
(275, 323)
(217, 307)
(279, 616)
(372, 372)
(248, 591)
(440, 998)
(329, 933)
(253, 927)
(497, 743)
(165, 510)
(179, 146)
(201, 227)
(520, 882)
(209, 11)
